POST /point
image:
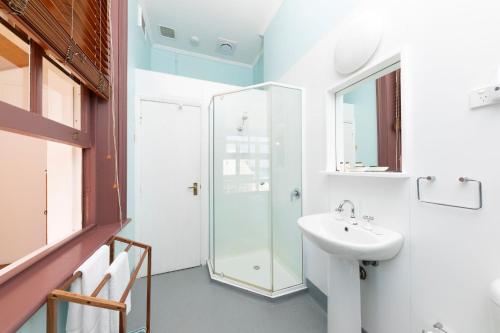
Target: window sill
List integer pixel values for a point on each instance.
(24, 289)
(393, 175)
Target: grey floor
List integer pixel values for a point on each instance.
(189, 302)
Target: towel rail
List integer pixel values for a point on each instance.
(128, 247)
(132, 279)
(71, 279)
(101, 285)
(61, 294)
(462, 180)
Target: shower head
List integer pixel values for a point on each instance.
(244, 118)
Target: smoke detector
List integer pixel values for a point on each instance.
(167, 32)
(226, 46)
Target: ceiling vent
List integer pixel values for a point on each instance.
(167, 32)
(226, 46)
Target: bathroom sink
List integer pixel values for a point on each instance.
(342, 239)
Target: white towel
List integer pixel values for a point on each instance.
(89, 319)
(120, 277)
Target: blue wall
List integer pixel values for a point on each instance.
(297, 26)
(364, 99)
(139, 56)
(38, 322)
(167, 61)
(258, 70)
(139, 47)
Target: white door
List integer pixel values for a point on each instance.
(169, 162)
(349, 135)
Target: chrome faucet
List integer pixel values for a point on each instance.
(340, 209)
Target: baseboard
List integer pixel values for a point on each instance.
(320, 297)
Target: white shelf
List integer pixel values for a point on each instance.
(397, 175)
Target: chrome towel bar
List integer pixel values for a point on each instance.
(462, 180)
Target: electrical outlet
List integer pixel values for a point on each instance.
(484, 97)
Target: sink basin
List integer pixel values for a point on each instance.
(347, 244)
(345, 240)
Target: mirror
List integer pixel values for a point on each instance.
(368, 123)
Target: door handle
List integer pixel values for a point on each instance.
(194, 188)
(296, 194)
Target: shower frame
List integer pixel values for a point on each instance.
(232, 281)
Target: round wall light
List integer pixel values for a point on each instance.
(358, 41)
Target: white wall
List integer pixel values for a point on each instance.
(450, 256)
(160, 85)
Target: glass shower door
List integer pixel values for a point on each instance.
(286, 174)
(256, 189)
(241, 204)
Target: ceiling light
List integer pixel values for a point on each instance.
(194, 41)
(226, 46)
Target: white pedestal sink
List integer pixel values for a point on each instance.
(347, 244)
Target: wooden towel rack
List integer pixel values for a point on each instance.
(61, 294)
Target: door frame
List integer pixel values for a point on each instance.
(136, 140)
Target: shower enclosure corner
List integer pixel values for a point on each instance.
(256, 189)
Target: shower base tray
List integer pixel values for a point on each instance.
(251, 288)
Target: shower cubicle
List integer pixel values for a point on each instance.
(256, 189)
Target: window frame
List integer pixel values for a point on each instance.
(24, 289)
(32, 123)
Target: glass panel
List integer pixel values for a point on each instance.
(240, 188)
(40, 194)
(211, 185)
(256, 161)
(64, 191)
(286, 175)
(14, 69)
(61, 96)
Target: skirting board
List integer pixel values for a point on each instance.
(320, 297)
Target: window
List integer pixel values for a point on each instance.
(41, 169)
(40, 22)
(14, 69)
(61, 96)
(40, 194)
(247, 167)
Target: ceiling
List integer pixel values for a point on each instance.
(241, 21)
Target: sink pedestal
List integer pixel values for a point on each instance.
(344, 296)
(345, 240)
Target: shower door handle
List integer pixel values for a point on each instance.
(296, 194)
(194, 188)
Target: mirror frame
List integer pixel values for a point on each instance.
(334, 137)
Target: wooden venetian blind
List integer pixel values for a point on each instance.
(77, 31)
